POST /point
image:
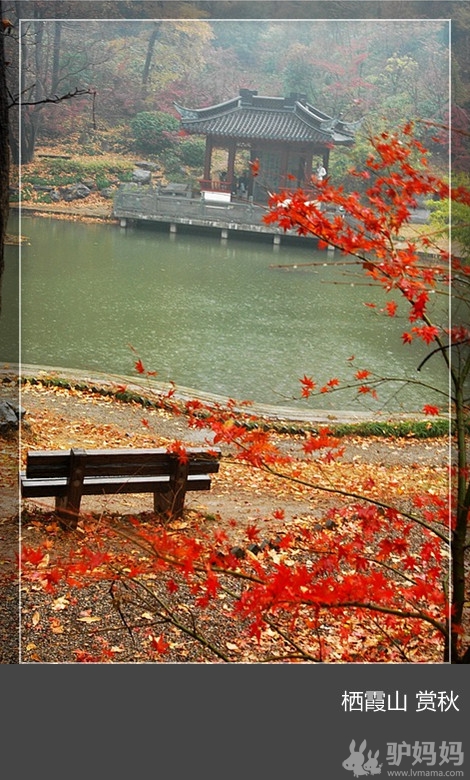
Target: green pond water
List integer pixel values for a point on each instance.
(217, 317)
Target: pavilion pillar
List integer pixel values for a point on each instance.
(208, 159)
(326, 159)
(251, 178)
(232, 150)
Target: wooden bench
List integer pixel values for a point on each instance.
(69, 475)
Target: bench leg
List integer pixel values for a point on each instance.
(171, 503)
(68, 506)
(66, 519)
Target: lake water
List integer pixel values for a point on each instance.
(218, 317)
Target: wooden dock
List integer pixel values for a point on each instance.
(145, 203)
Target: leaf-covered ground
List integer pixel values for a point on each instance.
(74, 624)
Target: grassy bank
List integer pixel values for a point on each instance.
(417, 429)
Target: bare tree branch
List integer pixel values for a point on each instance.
(55, 99)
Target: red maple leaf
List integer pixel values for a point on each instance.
(159, 644)
(430, 409)
(171, 586)
(428, 333)
(419, 306)
(177, 448)
(30, 555)
(252, 532)
(83, 657)
(308, 385)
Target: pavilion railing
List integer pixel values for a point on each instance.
(215, 185)
(147, 202)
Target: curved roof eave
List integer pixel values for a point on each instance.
(198, 113)
(270, 119)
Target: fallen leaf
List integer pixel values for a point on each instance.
(44, 563)
(60, 603)
(56, 626)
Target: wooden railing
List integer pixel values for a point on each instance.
(215, 185)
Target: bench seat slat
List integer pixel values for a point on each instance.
(93, 486)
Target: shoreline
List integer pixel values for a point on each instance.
(154, 391)
(99, 213)
(103, 213)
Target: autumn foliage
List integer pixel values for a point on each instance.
(373, 576)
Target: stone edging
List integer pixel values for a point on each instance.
(154, 392)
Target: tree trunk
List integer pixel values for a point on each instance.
(148, 60)
(56, 57)
(4, 158)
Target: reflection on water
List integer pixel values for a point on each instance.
(213, 316)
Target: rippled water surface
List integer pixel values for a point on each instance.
(217, 317)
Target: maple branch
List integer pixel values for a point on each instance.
(412, 615)
(116, 601)
(169, 615)
(440, 349)
(374, 382)
(181, 563)
(301, 653)
(390, 638)
(358, 496)
(191, 632)
(391, 569)
(431, 123)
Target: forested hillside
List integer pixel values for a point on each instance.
(113, 71)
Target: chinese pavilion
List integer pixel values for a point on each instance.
(288, 136)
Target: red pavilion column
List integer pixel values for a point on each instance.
(208, 161)
(232, 150)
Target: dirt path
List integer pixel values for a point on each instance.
(60, 418)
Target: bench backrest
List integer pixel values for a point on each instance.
(120, 462)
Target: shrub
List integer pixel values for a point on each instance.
(154, 131)
(172, 165)
(191, 152)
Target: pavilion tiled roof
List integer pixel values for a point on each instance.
(253, 117)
